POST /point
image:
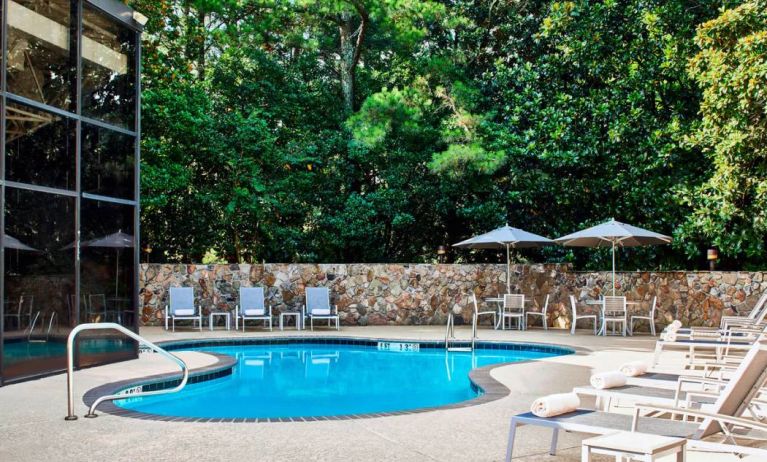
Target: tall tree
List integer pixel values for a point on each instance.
(730, 208)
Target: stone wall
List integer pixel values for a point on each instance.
(402, 294)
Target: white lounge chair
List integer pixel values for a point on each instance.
(252, 306)
(318, 306)
(542, 314)
(724, 419)
(513, 308)
(181, 307)
(576, 317)
(650, 318)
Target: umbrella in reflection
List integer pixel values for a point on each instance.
(117, 241)
(10, 242)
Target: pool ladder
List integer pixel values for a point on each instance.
(450, 334)
(34, 323)
(142, 341)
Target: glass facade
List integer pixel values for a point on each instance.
(69, 181)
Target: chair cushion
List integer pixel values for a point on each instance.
(184, 312)
(320, 312)
(254, 312)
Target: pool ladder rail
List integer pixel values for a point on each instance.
(31, 328)
(142, 341)
(450, 334)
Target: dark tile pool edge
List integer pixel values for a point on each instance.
(480, 378)
(221, 368)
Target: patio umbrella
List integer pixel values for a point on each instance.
(10, 242)
(508, 238)
(118, 240)
(613, 233)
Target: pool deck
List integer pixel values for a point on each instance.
(32, 426)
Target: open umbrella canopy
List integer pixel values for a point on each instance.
(10, 242)
(505, 238)
(613, 232)
(116, 240)
(498, 238)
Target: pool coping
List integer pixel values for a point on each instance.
(480, 378)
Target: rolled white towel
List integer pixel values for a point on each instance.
(554, 405)
(670, 336)
(610, 379)
(634, 368)
(674, 326)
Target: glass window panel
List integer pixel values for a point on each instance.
(39, 280)
(107, 261)
(41, 61)
(108, 162)
(39, 148)
(108, 66)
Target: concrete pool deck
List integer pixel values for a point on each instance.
(32, 425)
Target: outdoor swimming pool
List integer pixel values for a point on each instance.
(310, 380)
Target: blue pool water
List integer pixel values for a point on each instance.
(22, 350)
(302, 380)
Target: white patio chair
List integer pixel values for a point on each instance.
(97, 307)
(513, 308)
(478, 313)
(20, 313)
(318, 306)
(252, 306)
(650, 318)
(542, 314)
(181, 307)
(576, 317)
(614, 312)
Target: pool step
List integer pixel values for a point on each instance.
(459, 349)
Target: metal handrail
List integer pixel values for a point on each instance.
(105, 326)
(450, 330)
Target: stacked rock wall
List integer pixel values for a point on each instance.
(417, 294)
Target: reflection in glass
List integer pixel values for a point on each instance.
(39, 148)
(107, 262)
(41, 63)
(108, 69)
(107, 158)
(39, 280)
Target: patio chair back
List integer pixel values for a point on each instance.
(744, 385)
(545, 304)
(318, 300)
(759, 308)
(513, 303)
(252, 301)
(181, 301)
(614, 304)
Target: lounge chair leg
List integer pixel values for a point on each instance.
(510, 444)
(554, 438)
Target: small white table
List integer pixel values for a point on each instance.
(634, 446)
(225, 314)
(286, 314)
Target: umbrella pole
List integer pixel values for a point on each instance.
(508, 270)
(613, 267)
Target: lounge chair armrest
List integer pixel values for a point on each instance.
(719, 418)
(701, 380)
(237, 311)
(269, 307)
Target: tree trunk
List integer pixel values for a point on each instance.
(347, 62)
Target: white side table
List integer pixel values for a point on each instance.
(286, 314)
(634, 446)
(225, 314)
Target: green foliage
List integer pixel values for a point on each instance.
(730, 209)
(356, 130)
